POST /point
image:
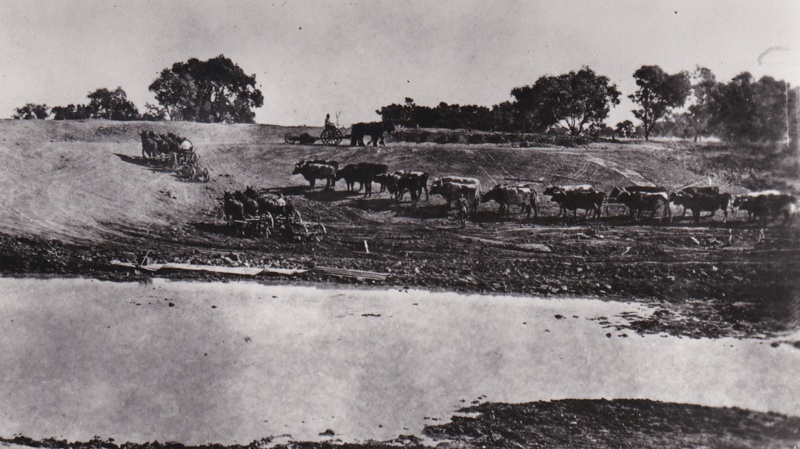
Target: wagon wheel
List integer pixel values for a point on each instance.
(288, 138)
(295, 217)
(268, 219)
(319, 233)
(331, 136)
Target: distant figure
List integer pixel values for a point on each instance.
(186, 146)
(281, 202)
(463, 207)
(328, 123)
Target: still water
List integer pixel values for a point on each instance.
(234, 362)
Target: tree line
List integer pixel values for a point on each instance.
(212, 91)
(682, 104)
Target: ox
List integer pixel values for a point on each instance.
(709, 190)
(640, 201)
(558, 195)
(400, 182)
(374, 130)
(507, 196)
(451, 190)
(317, 169)
(589, 200)
(765, 205)
(413, 182)
(702, 202)
(363, 173)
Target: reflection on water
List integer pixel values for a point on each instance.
(198, 363)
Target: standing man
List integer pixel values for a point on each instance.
(463, 206)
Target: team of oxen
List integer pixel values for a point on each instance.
(641, 201)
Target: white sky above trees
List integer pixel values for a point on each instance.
(316, 57)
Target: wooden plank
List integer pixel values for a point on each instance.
(532, 247)
(342, 272)
(244, 271)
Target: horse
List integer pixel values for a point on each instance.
(375, 130)
(149, 145)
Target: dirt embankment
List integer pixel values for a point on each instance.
(77, 195)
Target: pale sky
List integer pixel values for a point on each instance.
(316, 57)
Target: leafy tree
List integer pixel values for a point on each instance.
(399, 114)
(72, 112)
(506, 116)
(705, 88)
(212, 91)
(32, 111)
(746, 110)
(575, 100)
(112, 105)
(625, 128)
(154, 113)
(658, 93)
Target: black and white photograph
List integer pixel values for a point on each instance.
(454, 224)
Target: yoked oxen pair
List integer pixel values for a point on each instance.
(576, 197)
(363, 173)
(400, 182)
(642, 198)
(506, 196)
(452, 187)
(701, 199)
(767, 204)
(317, 169)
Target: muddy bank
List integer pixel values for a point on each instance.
(564, 424)
(710, 282)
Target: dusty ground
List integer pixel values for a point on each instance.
(77, 195)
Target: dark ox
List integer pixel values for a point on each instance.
(374, 130)
(558, 195)
(317, 169)
(572, 200)
(709, 190)
(363, 173)
(637, 202)
(507, 196)
(451, 190)
(702, 202)
(400, 182)
(769, 205)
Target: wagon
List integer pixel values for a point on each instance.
(193, 169)
(329, 136)
(315, 232)
(255, 226)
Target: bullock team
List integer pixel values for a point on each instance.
(641, 201)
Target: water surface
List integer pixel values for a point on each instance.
(234, 362)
